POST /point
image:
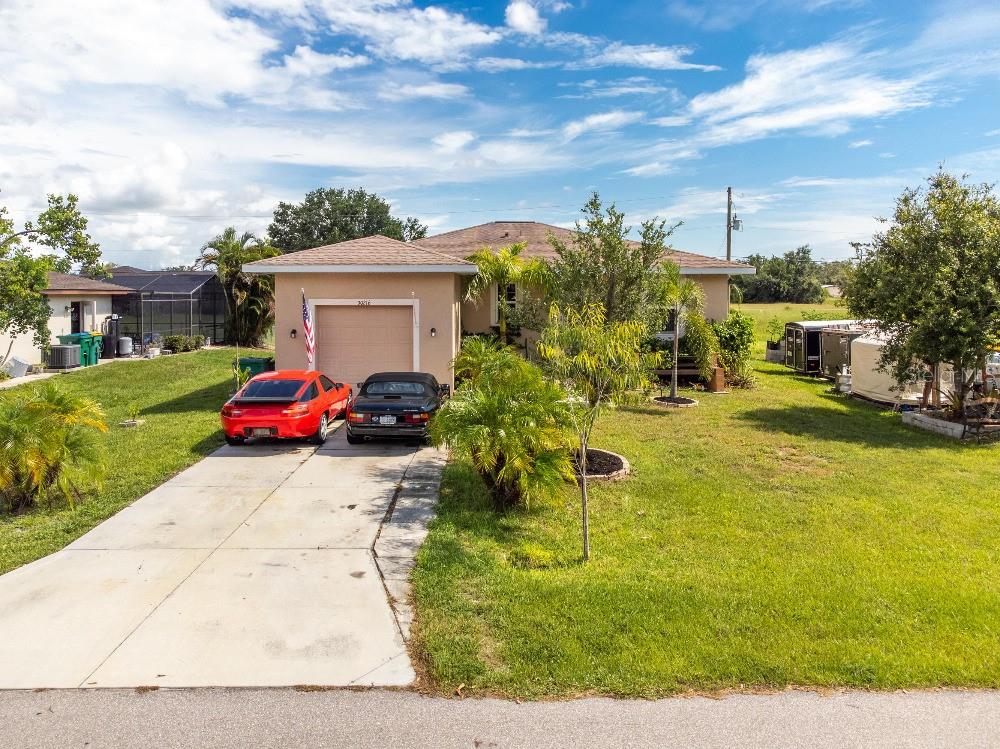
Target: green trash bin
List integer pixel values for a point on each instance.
(98, 340)
(257, 364)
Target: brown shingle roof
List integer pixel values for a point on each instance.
(376, 250)
(463, 242)
(61, 283)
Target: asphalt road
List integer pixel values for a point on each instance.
(204, 718)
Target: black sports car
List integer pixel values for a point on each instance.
(394, 404)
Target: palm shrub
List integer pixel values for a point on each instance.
(512, 425)
(477, 351)
(51, 447)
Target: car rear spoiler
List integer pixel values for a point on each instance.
(251, 401)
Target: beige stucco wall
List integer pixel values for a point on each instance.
(477, 318)
(439, 308)
(716, 289)
(59, 324)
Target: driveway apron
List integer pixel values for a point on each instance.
(254, 567)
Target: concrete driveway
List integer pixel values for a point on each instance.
(253, 567)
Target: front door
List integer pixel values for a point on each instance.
(76, 317)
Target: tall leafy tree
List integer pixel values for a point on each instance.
(501, 268)
(601, 365)
(24, 265)
(931, 280)
(792, 277)
(331, 214)
(600, 265)
(249, 297)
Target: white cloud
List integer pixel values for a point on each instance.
(504, 64)
(603, 122)
(652, 169)
(672, 121)
(307, 62)
(887, 155)
(192, 47)
(434, 90)
(992, 133)
(524, 132)
(399, 30)
(651, 56)
(524, 17)
(453, 141)
(700, 202)
(632, 86)
(860, 143)
(820, 88)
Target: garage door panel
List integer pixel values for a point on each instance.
(353, 342)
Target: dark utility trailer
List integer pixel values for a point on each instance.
(803, 344)
(835, 349)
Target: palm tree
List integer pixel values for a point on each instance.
(685, 298)
(226, 254)
(501, 268)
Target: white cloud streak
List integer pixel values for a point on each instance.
(603, 122)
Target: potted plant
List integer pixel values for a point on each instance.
(775, 340)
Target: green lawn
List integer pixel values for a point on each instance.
(179, 396)
(767, 538)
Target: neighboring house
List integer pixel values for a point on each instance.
(78, 305)
(162, 303)
(378, 304)
(833, 291)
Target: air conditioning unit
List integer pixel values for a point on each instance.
(64, 357)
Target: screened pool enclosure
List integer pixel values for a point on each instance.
(169, 303)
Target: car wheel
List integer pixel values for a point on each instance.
(353, 440)
(235, 441)
(321, 431)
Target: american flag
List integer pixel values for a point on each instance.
(307, 329)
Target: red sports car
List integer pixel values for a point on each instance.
(285, 404)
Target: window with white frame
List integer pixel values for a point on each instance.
(505, 295)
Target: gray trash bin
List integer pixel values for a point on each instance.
(17, 368)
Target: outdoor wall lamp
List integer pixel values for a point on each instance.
(293, 333)
(434, 332)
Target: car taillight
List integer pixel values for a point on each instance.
(355, 418)
(230, 410)
(300, 409)
(417, 418)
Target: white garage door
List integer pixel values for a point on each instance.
(353, 342)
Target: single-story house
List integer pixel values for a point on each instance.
(378, 304)
(78, 304)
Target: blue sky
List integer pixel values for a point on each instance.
(173, 120)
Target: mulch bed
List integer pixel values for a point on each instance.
(603, 464)
(678, 402)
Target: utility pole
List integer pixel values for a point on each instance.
(729, 223)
